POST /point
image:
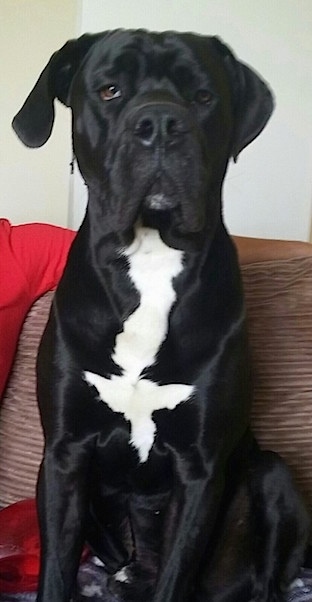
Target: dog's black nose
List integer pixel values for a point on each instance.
(156, 124)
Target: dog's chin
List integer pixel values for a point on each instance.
(189, 242)
(158, 219)
(170, 229)
(164, 213)
(179, 226)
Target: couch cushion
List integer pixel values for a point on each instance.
(21, 439)
(279, 306)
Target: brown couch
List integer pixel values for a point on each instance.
(278, 287)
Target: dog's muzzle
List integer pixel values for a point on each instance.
(159, 175)
(158, 130)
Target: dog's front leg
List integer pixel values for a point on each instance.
(62, 500)
(196, 504)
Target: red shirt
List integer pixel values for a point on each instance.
(32, 259)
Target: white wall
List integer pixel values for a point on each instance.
(269, 192)
(34, 183)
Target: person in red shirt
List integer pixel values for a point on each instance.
(32, 259)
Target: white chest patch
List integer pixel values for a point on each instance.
(152, 267)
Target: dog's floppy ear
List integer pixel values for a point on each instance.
(253, 100)
(33, 123)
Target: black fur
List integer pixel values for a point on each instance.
(208, 517)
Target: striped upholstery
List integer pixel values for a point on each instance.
(20, 430)
(279, 305)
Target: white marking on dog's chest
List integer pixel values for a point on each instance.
(152, 268)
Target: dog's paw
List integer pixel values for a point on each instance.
(118, 584)
(122, 576)
(131, 583)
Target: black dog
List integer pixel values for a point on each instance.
(144, 382)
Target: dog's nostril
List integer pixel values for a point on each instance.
(145, 129)
(172, 127)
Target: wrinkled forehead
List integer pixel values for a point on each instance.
(152, 54)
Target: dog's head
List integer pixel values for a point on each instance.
(156, 117)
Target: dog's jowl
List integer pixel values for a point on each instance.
(143, 369)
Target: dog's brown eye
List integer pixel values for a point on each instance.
(110, 92)
(204, 97)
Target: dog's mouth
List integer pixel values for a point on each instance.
(158, 204)
(163, 208)
(160, 196)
